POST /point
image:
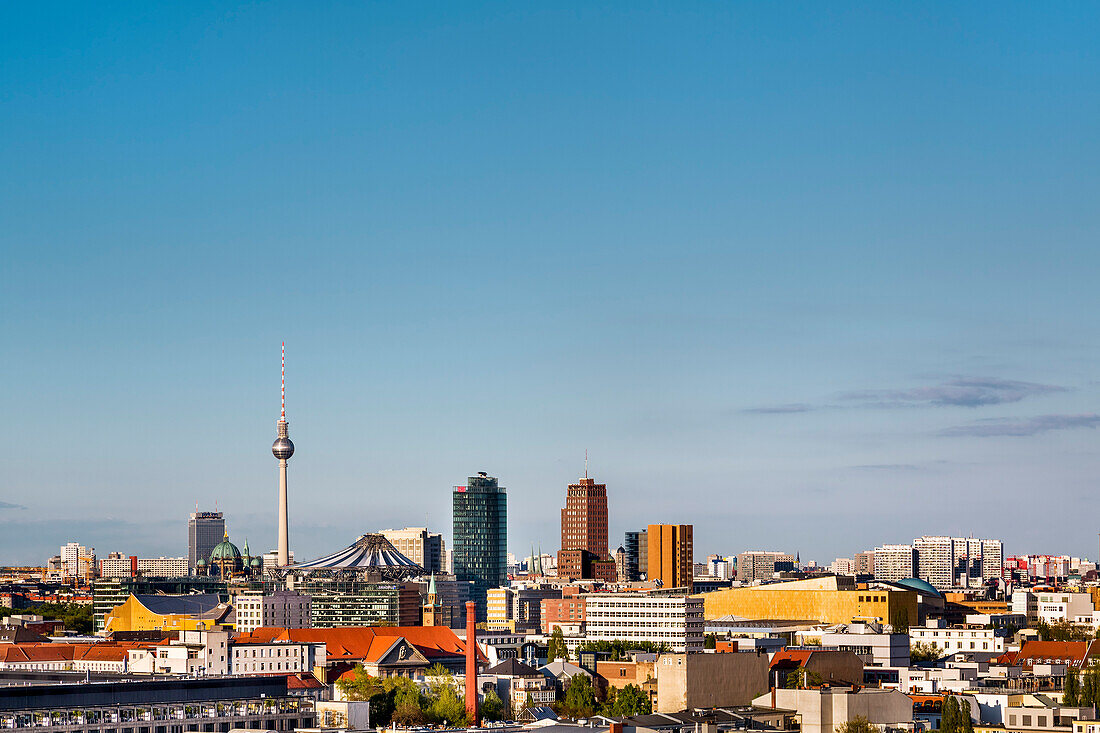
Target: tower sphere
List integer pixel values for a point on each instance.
(282, 448)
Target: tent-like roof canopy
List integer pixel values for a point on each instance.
(369, 552)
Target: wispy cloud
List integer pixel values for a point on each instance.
(957, 392)
(779, 409)
(1022, 427)
(6, 505)
(888, 467)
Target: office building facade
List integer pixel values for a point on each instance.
(762, 565)
(424, 548)
(204, 531)
(480, 536)
(584, 527)
(670, 554)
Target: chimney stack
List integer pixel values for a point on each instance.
(471, 664)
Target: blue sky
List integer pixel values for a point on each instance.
(813, 277)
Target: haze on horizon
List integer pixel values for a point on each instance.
(809, 277)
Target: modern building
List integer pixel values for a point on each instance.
(117, 565)
(565, 613)
(864, 563)
(584, 553)
(212, 704)
(107, 593)
(480, 536)
(762, 565)
(993, 559)
(694, 681)
(894, 562)
(282, 608)
(833, 599)
(425, 548)
(823, 710)
(77, 561)
(969, 638)
(675, 621)
(632, 546)
(200, 611)
(204, 531)
(670, 555)
(336, 602)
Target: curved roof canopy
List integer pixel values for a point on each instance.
(369, 552)
(921, 586)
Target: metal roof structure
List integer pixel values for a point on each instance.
(369, 553)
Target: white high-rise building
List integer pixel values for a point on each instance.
(993, 559)
(424, 548)
(842, 566)
(895, 562)
(936, 561)
(673, 620)
(77, 561)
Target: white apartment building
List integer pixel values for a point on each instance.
(283, 609)
(276, 656)
(1063, 607)
(77, 561)
(192, 653)
(118, 566)
(957, 639)
(1025, 603)
(843, 566)
(935, 561)
(993, 559)
(894, 562)
(673, 620)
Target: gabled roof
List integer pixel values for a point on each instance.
(560, 668)
(1073, 653)
(791, 657)
(512, 668)
(367, 643)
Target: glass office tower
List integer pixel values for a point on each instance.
(480, 517)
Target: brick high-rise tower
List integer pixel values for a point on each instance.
(584, 532)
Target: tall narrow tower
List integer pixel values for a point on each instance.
(283, 449)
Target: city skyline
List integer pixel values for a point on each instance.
(820, 266)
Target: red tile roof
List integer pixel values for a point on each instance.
(787, 656)
(1072, 653)
(366, 643)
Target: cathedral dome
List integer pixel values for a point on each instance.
(225, 550)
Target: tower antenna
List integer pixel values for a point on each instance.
(282, 391)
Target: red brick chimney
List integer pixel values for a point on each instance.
(471, 664)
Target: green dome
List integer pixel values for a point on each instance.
(225, 550)
(256, 562)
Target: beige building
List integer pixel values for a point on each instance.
(687, 681)
(676, 621)
(424, 548)
(824, 710)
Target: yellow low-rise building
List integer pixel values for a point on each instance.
(828, 600)
(196, 612)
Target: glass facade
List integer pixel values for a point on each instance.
(480, 519)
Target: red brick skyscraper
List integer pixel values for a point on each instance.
(584, 518)
(584, 533)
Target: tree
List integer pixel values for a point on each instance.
(361, 686)
(858, 724)
(899, 619)
(629, 700)
(580, 697)
(949, 715)
(802, 678)
(966, 724)
(921, 652)
(710, 641)
(492, 707)
(437, 670)
(1088, 689)
(447, 706)
(408, 707)
(558, 649)
(1071, 690)
(618, 648)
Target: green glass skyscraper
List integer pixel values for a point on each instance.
(480, 538)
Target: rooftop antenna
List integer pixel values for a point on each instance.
(586, 463)
(282, 391)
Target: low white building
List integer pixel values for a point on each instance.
(277, 656)
(824, 710)
(190, 653)
(676, 621)
(283, 609)
(1064, 607)
(957, 639)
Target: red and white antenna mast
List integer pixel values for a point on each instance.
(282, 412)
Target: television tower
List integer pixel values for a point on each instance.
(283, 449)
